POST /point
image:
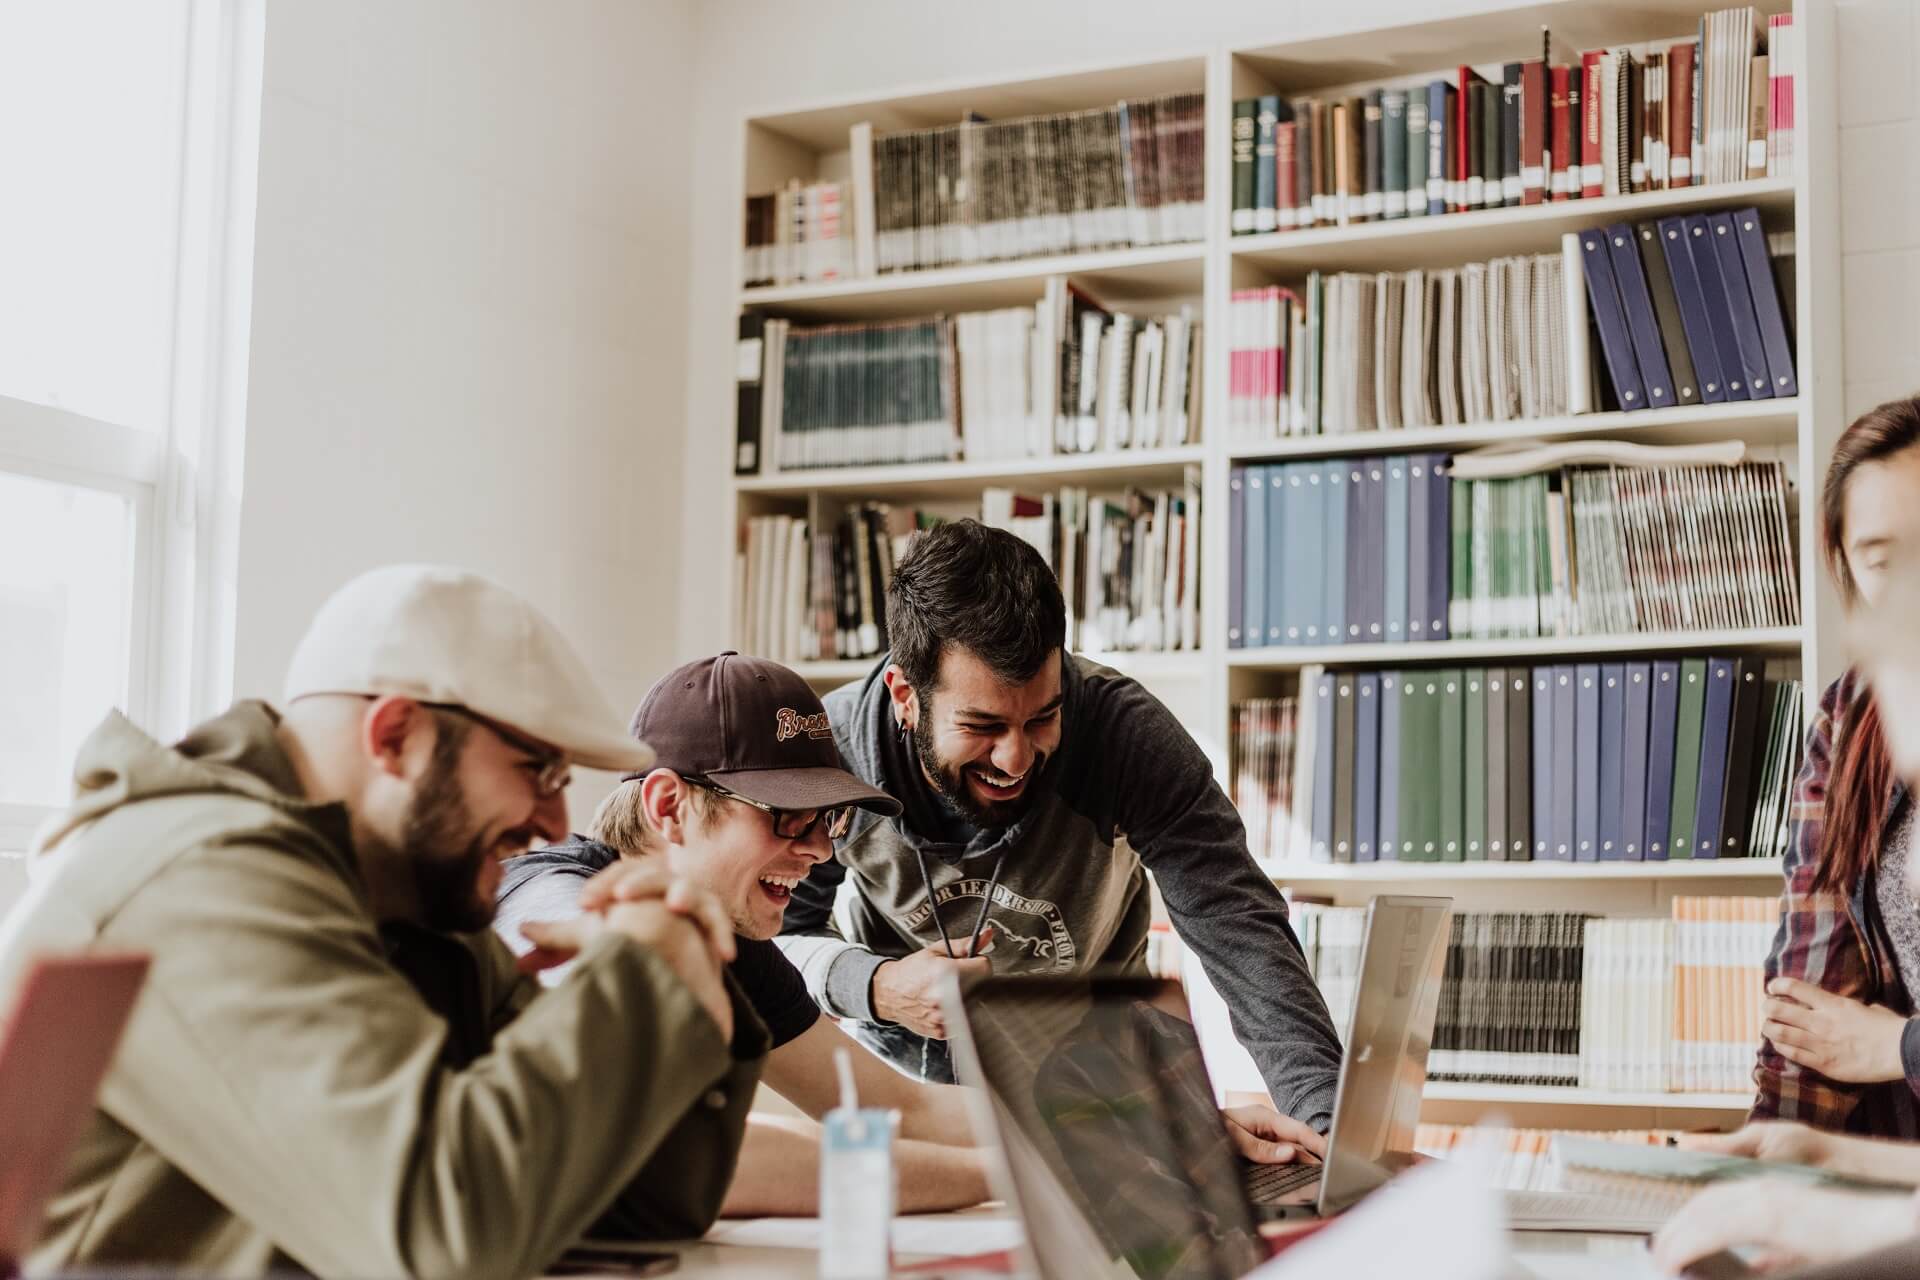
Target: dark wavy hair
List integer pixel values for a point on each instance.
(983, 590)
(1861, 781)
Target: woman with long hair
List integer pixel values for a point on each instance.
(1841, 1048)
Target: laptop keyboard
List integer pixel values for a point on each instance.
(1266, 1183)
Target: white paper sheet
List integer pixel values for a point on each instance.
(935, 1235)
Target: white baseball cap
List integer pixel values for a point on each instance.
(443, 635)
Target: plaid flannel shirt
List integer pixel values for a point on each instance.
(1835, 941)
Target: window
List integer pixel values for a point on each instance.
(128, 138)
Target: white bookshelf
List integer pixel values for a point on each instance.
(809, 140)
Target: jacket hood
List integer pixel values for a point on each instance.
(236, 753)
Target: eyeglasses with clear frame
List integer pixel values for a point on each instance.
(556, 771)
(789, 824)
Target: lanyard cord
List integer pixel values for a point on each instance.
(979, 921)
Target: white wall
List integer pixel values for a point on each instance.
(469, 297)
(759, 54)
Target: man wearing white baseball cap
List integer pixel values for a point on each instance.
(335, 1065)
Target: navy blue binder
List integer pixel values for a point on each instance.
(1643, 325)
(1236, 557)
(1326, 749)
(1543, 796)
(1394, 597)
(1344, 766)
(1610, 317)
(1419, 546)
(1387, 838)
(1633, 772)
(1366, 767)
(1715, 725)
(1439, 543)
(1746, 326)
(1766, 301)
(1335, 552)
(1286, 530)
(1663, 717)
(1713, 292)
(1613, 750)
(1586, 763)
(1566, 804)
(1675, 243)
(1253, 622)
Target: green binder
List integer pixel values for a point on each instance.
(1452, 773)
(1686, 757)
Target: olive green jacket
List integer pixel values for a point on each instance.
(297, 1089)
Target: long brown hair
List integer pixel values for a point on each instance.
(1862, 775)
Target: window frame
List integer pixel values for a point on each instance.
(182, 480)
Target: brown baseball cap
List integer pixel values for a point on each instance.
(754, 727)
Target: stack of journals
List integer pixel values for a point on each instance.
(1664, 1004)
(1510, 1002)
(1389, 549)
(1065, 375)
(1481, 343)
(798, 233)
(1129, 568)
(1719, 945)
(1591, 762)
(980, 191)
(1717, 108)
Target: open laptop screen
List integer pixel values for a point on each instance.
(1103, 1081)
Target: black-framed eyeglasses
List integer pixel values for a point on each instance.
(789, 824)
(556, 771)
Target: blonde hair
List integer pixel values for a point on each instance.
(621, 820)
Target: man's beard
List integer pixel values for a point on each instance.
(950, 782)
(441, 845)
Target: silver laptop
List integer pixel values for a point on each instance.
(1113, 1146)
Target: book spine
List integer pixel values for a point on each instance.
(1244, 112)
(1534, 112)
(1591, 170)
(1560, 183)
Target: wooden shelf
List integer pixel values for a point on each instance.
(1758, 422)
(965, 479)
(1455, 238)
(1112, 275)
(1569, 1096)
(833, 671)
(1281, 658)
(1406, 872)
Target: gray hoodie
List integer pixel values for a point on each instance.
(1128, 791)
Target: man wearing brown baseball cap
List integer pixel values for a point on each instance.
(329, 1070)
(746, 796)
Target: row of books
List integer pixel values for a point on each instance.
(985, 190)
(1688, 310)
(805, 594)
(1568, 999)
(1526, 1159)
(1065, 375)
(798, 233)
(1609, 551)
(1393, 548)
(1486, 342)
(1717, 108)
(1579, 762)
(1129, 568)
